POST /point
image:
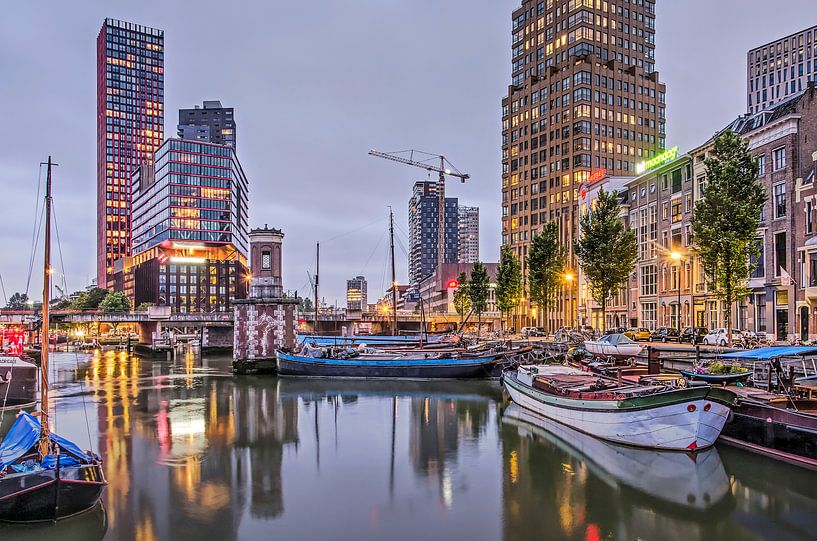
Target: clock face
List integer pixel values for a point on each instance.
(266, 260)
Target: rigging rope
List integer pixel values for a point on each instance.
(35, 235)
(3, 287)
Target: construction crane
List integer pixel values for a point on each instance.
(430, 162)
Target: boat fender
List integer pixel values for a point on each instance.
(731, 416)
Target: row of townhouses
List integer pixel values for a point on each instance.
(668, 286)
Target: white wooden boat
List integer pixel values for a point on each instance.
(658, 417)
(617, 346)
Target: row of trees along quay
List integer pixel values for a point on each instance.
(724, 226)
(471, 296)
(93, 299)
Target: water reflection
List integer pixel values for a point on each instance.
(192, 452)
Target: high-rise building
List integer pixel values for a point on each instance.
(189, 234)
(422, 217)
(779, 69)
(130, 127)
(468, 233)
(356, 294)
(211, 123)
(584, 102)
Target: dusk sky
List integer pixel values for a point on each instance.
(315, 85)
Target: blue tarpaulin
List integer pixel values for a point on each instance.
(772, 352)
(25, 434)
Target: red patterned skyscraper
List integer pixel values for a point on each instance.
(130, 127)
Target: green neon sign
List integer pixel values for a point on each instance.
(657, 160)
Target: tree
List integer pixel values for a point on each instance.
(306, 305)
(606, 249)
(18, 301)
(462, 300)
(89, 300)
(509, 286)
(144, 307)
(546, 263)
(115, 301)
(726, 219)
(478, 291)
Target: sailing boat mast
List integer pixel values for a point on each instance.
(317, 270)
(393, 276)
(45, 432)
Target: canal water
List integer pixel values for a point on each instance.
(194, 453)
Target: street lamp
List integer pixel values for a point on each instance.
(677, 257)
(570, 278)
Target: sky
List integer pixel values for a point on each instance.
(315, 85)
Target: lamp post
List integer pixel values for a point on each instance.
(570, 278)
(677, 257)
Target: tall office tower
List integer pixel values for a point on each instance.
(189, 237)
(356, 294)
(423, 231)
(130, 127)
(211, 123)
(777, 70)
(468, 233)
(584, 102)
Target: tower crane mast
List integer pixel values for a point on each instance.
(435, 163)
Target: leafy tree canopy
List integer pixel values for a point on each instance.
(546, 262)
(509, 286)
(606, 248)
(115, 301)
(727, 217)
(18, 301)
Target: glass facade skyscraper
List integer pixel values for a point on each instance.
(189, 229)
(130, 127)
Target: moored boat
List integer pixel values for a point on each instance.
(43, 476)
(430, 365)
(18, 380)
(35, 488)
(656, 416)
(373, 340)
(617, 346)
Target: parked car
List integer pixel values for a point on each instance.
(693, 335)
(664, 334)
(638, 334)
(533, 331)
(719, 337)
(616, 330)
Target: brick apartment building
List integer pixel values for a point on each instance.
(585, 101)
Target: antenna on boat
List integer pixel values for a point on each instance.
(394, 330)
(45, 437)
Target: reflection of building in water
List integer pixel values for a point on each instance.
(437, 427)
(166, 436)
(265, 423)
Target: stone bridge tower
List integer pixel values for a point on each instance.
(265, 321)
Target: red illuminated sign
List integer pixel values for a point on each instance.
(453, 284)
(598, 174)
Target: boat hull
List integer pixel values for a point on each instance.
(617, 352)
(716, 378)
(661, 421)
(18, 380)
(786, 435)
(32, 497)
(296, 365)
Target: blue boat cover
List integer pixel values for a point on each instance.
(772, 352)
(25, 434)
